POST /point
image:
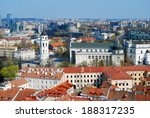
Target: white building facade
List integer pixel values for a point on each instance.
(90, 52)
(26, 54)
(136, 51)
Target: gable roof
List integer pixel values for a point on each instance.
(19, 82)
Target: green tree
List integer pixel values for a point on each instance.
(9, 72)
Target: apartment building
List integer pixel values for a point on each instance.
(7, 51)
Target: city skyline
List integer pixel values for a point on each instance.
(76, 9)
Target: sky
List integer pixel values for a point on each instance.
(76, 8)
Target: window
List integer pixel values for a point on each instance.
(71, 81)
(119, 84)
(81, 81)
(91, 81)
(84, 80)
(135, 74)
(139, 74)
(116, 84)
(74, 76)
(71, 76)
(92, 57)
(141, 51)
(89, 57)
(87, 75)
(94, 75)
(126, 84)
(99, 57)
(91, 76)
(84, 75)
(135, 83)
(135, 79)
(77, 81)
(87, 80)
(95, 50)
(122, 84)
(87, 50)
(81, 76)
(67, 76)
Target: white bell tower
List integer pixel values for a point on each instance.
(44, 50)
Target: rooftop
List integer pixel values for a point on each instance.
(83, 69)
(92, 45)
(19, 82)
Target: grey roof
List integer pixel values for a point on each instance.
(92, 45)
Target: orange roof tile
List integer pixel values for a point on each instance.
(114, 73)
(57, 44)
(24, 94)
(9, 94)
(19, 82)
(83, 69)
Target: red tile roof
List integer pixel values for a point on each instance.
(114, 73)
(9, 94)
(19, 82)
(87, 39)
(91, 91)
(56, 91)
(84, 69)
(23, 94)
(57, 44)
(41, 72)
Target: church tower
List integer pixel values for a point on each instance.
(44, 50)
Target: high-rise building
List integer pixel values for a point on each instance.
(18, 26)
(9, 19)
(44, 52)
(40, 28)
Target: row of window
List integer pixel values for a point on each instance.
(99, 57)
(80, 81)
(95, 50)
(46, 82)
(83, 85)
(137, 74)
(121, 84)
(83, 76)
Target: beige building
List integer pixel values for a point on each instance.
(83, 76)
(7, 51)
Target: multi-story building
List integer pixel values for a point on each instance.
(25, 54)
(10, 41)
(8, 51)
(90, 52)
(83, 76)
(137, 51)
(125, 78)
(41, 78)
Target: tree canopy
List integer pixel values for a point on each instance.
(9, 72)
